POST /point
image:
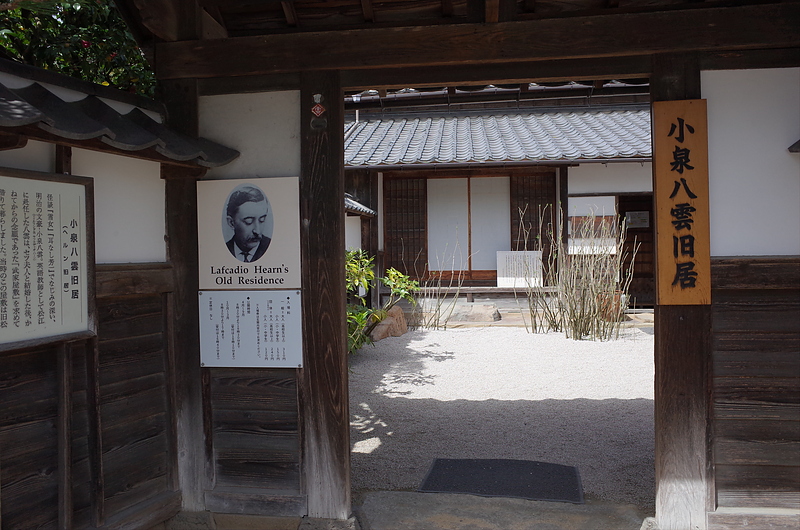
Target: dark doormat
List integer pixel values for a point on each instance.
(523, 479)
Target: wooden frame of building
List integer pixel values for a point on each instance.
(726, 406)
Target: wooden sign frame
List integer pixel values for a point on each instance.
(88, 276)
(680, 190)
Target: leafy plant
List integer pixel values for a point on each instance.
(86, 39)
(361, 320)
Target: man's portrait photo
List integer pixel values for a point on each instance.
(247, 223)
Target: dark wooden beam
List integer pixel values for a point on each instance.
(613, 35)
(290, 13)
(323, 393)
(64, 363)
(683, 389)
(367, 10)
(180, 98)
(506, 73)
(447, 8)
(64, 159)
(95, 439)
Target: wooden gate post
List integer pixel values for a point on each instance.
(323, 381)
(684, 468)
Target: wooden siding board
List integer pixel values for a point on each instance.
(274, 502)
(746, 521)
(255, 428)
(756, 362)
(131, 359)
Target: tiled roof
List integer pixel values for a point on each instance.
(499, 138)
(79, 115)
(353, 206)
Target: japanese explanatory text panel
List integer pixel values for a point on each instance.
(249, 272)
(250, 329)
(43, 259)
(680, 159)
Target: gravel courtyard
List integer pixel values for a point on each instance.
(500, 392)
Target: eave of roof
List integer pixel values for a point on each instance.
(353, 206)
(82, 112)
(499, 138)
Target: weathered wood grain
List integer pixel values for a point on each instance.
(684, 465)
(743, 27)
(323, 379)
(756, 318)
(181, 208)
(747, 520)
(151, 511)
(257, 501)
(126, 318)
(64, 362)
(747, 273)
(133, 279)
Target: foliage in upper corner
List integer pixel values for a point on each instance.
(86, 39)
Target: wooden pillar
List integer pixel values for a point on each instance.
(180, 98)
(684, 467)
(323, 379)
(64, 361)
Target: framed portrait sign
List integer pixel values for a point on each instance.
(46, 258)
(249, 233)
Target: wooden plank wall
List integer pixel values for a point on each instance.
(756, 367)
(253, 419)
(109, 404)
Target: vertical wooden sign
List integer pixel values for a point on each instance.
(680, 160)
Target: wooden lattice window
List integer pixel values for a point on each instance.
(532, 197)
(405, 208)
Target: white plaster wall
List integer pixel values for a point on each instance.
(128, 204)
(352, 232)
(596, 205)
(616, 177)
(754, 182)
(491, 220)
(448, 224)
(264, 127)
(35, 156)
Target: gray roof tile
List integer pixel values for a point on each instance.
(498, 138)
(91, 118)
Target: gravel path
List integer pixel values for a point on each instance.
(490, 392)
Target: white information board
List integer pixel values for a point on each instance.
(251, 329)
(44, 255)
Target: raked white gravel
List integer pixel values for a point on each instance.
(501, 392)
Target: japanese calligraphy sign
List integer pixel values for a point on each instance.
(44, 258)
(251, 329)
(680, 161)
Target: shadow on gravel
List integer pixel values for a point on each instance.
(395, 439)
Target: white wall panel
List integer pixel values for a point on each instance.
(129, 206)
(617, 177)
(35, 156)
(352, 232)
(491, 220)
(754, 181)
(264, 127)
(448, 224)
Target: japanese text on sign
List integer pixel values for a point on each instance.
(250, 329)
(681, 189)
(43, 259)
